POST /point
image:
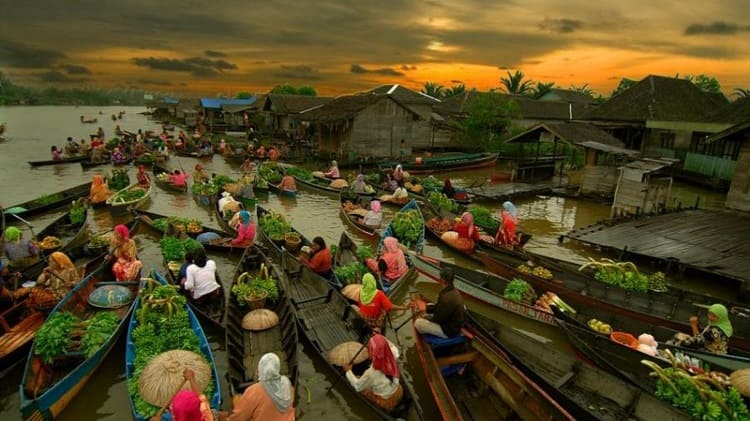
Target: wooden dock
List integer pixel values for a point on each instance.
(714, 242)
(508, 191)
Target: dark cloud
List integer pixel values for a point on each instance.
(561, 26)
(298, 72)
(716, 28)
(406, 67)
(708, 51)
(385, 71)
(457, 82)
(198, 66)
(19, 55)
(56, 76)
(153, 82)
(214, 53)
(75, 69)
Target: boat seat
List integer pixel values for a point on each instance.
(438, 342)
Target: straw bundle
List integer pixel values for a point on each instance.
(260, 319)
(163, 375)
(344, 352)
(352, 291)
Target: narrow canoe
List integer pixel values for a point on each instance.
(324, 317)
(89, 164)
(510, 394)
(363, 201)
(205, 348)
(244, 347)
(222, 244)
(390, 232)
(48, 202)
(166, 185)
(452, 162)
(585, 391)
(669, 310)
(47, 400)
(119, 207)
(67, 160)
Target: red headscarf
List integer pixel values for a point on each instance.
(123, 231)
(186, 406)
(381, 356)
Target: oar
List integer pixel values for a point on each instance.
(25, 222)
(343, 373)
(169, 402)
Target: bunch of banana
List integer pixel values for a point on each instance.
(542, 272)
(600, 327)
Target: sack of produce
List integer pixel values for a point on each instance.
(339, 184)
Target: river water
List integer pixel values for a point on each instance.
(32, 130)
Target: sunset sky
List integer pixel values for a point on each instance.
(227, 46)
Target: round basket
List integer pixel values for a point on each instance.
(256, 303)
(279, 241)
(293, 242)
(624, 338)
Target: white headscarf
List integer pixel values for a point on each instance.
(278, 387)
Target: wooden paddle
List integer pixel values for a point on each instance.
(158, 415)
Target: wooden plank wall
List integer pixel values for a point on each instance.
(600, 180)
(739, 191)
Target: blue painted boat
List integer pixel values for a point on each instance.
(389, 232)
(205, 348)
(46, 390)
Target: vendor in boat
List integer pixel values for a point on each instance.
(84, 147)
(96, 142)
(447, 316)
(57, 279)
(72, 148)
(398, 174)
(270, 399)
(117, 156)
(21, 252)
(394, 259)
(100, 133)
(142, 176)
(319, 259)
(273, 154)
(400, 195)
(246, 187)
(57, 154)
(139, 149)
(191, 404)
(288, 184)
(714, 337)
(373, 305)
(178, 178)
(448, 189)
(391, 184)
(380, 382)
(245, 231)
(467, 232)
(99, 190)
(199, 176)
(359, 185)
(247, 165)
(373, 217)
(97, 154)
(260, 152)
(200, 279)
(506, 234)
(223, 147)
(123, 249)
(333, 172)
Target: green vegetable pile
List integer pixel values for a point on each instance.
(161, 223)
(350, 273)
(408, 227)
(270, 173)
(520, 291)
(173, 249)
(221, 180)
(146, 157)
(47, 199)
(441, 202)
(483, 218)
(625, 275)
(205, 189)
(129, 195)
(373, 178)
(160, 329)
(118, 180)
(77, 212)
(431, 183)
(255, 285)
(365, 252)
(102, 240)
(300, 173)
(60, 334)
(274, 225)
(700, 396)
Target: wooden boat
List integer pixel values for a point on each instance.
(205, 348)
(489, 386)
(625, 362)
(143, 160)
(448, 162)
(88, 120)
(317, 184)
(274, 248)
(119, 207)
(585, 391)
(49, 202)
(274, 186)
(670, 310)
(346, 253)
(222, 244)
(389, 231)
(480, 286)
(197, 155)
(89, 164)
(46, 400)
(166, 185)
(363, 201)
(67, 160)
(324, 316)
(245, 348)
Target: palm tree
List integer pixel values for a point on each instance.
(542, 88)
(514, 83)
(742, 93)
(433, 89)
(455, 90)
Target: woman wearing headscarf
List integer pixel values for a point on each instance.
(373, 217)
(395, 259)
(333, 172)
(359, 184)
(20, 252)
(191, 404)
(448, 189)
(398, 173)
(467, 232)
(123, 249)
(270, 399)
(506, 234)
(245, 231)
(198, 175)
(273, 154)
(60, 275)
(715, 337)
(288, 184)
(247, 166)
(99, 190)
(117, 156)
(142, 176)
(380, 382)
(373, 305)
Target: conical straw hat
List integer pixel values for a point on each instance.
(260, 319)
(344, 352)
(352, 291)
(741, 381)
(163, 375)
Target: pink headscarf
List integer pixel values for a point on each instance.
(381, 356)
(375, 206)
(186, 406)
(468, 220)
(123, 231)
(391, 246)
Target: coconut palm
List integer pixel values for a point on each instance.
(542, 88)
(433, 89)
(583, 89)
(514, 83)
(455, 90)
(742, 93)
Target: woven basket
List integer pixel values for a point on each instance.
(293, 242)
(256, 303)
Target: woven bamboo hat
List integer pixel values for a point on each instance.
(344, 352)
(260, 319)
(163, 375)
(352, 291)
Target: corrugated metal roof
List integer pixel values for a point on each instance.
(218, 102)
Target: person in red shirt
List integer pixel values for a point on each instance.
(319, 259)
(373, 304)
(467, 232)
(178, 178)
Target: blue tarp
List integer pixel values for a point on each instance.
(216, 103)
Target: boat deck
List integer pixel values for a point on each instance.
(708, 241)
(325, 322)
(508, 191)
(260, 343)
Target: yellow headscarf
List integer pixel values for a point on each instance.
(369, 289)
